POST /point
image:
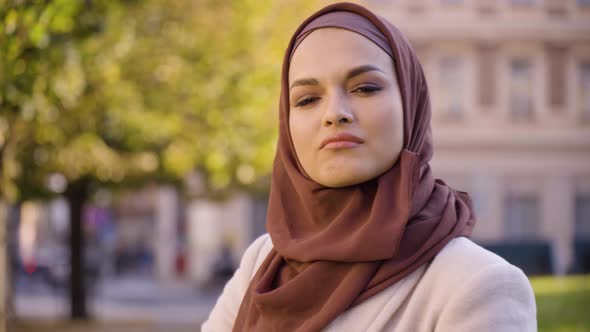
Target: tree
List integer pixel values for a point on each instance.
(119, 93)
(53, 109)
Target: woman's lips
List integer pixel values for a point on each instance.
(341, 145)
(341, 141)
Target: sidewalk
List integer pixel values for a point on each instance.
(122, 304)
(40, 326)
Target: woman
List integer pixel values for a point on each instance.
(361, 237)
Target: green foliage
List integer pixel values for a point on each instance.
(562, 303)
(45, 89)
(123, 92)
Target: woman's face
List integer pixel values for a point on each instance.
(345, 113)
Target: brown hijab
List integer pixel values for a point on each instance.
(336, 247)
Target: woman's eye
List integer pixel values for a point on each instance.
(367, 89)
(306, 101)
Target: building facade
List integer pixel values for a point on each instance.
(510, 91)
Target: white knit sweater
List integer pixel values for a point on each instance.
(464, 289)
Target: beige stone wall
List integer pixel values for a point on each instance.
(486, 151)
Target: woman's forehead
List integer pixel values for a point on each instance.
(328, 50)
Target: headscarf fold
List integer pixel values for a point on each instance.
(336, 247)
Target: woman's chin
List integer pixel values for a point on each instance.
(337, 178)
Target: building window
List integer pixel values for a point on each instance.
(584, 90)
(556, 8)
(487, 73)
(486, 7)
(582, 215)
(521, 89)
(522, 2)
(382, 2)
(556, 82)
(451, 87)
(521, 216)
(416, 7)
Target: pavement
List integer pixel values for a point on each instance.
(118, 304)
(63, 326)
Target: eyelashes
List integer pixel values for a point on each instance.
(367, 89)
(363, 90)
(306, 101)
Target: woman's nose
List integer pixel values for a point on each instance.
(338, 111)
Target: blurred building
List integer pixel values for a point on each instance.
(510, 91)
(198, 239)
(218, 233)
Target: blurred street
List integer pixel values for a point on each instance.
(99, 327)
(128, 302)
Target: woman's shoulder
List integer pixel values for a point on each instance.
(257, 252)
(466, 261)
(261, 245)
(466, 278)
(466, 256)
(463, 258)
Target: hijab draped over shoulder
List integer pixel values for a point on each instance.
(336, 247)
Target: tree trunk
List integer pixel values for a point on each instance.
(12, 217)
(3, 267)
(77, 194)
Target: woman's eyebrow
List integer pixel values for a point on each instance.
(351, 73)
(362, 69)
(304, 81)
